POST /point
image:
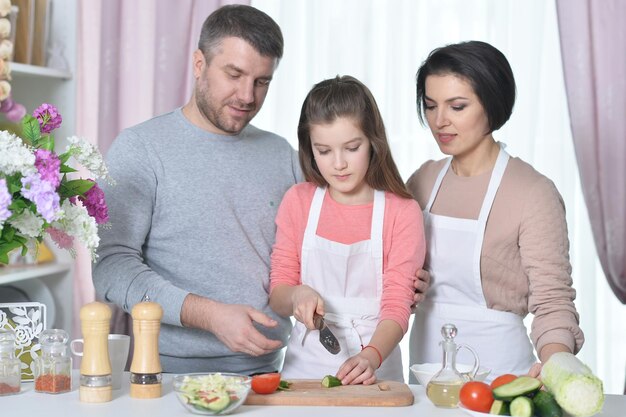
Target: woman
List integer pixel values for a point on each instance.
(495, 227)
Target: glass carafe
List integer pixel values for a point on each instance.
(10, 366)
(53, 370)
(443, 388)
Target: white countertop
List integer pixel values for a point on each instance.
(31, 403)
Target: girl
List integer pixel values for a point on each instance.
(348, 241)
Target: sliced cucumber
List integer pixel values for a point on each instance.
(217, 402)
(330, 381)
(522, 407)
(499, 408)
(546, 405)
(523, 385)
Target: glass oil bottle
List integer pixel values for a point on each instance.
(443, 388)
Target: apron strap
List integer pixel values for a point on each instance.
(314, 214)
(490, 196)
(376, 237)
(435, 189)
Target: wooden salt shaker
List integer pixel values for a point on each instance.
(95, 368)
(145, 377)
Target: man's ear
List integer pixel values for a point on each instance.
(198, 63)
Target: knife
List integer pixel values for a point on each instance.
(327, 338)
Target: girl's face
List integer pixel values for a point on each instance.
(454, 114)
(342, 154)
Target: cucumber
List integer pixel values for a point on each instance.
(546, 405)
(216, 403)
(522, 407)
(523, 385)
(499, 408)
(330, 381)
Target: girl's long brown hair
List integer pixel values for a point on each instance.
(345, 96)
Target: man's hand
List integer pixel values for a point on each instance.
(421, 283)
(230, 323)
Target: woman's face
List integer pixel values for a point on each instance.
(454, 114)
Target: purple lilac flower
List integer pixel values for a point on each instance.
(48, 116)
(43, 194)
(5, 201)
(62, 239)
(49, 166)
(95, 204)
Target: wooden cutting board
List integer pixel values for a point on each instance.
(311, 392)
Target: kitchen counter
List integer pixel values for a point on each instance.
(31, 403)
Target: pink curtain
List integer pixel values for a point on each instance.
(133, 63)
(593, 47)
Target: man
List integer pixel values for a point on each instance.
(193, 209)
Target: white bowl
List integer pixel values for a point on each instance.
(197, 392)
(425, 371)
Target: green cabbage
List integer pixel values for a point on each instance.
(575, 388)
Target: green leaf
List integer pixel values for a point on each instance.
(5, 248)
(18, 205)
(65, 169)
(8, 233)
(46, 142)
(75, 187)
(14, 183)
(30, 129)
(64, 157)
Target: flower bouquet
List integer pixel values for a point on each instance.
(38, 196)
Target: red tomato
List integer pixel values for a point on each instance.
(265, 383)
(502, 379)
(476, 396)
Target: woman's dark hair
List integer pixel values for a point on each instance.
(484, 67)
(347, 97)
(244, 22)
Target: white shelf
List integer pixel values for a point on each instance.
(19, 273)
(34, 70)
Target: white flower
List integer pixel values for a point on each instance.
(28, 224)
(5, 7)
(15, 156)
(78, 223)
(5, 90)
(88, 155)
(5, 28)
(6, 49)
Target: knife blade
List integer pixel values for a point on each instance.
(327, 338)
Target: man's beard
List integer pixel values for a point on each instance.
(215, 115)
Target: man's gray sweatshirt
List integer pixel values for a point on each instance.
(194, 212)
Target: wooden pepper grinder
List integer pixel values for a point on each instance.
(145, 370)
(95, 368)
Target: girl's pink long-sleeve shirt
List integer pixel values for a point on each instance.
(403, 242)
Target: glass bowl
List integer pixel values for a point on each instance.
(212, 393)
(425, 371)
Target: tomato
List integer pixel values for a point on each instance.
(265, 383)
(502, 379)
(476, 396)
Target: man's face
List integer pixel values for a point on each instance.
(231, 87)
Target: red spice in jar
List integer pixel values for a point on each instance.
(53, 383)
(8, 389)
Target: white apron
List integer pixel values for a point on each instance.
(349, 279)
(455, 295)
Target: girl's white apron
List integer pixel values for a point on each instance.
(349, 279)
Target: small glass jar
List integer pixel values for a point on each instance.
(10, 366)
(53, 369)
